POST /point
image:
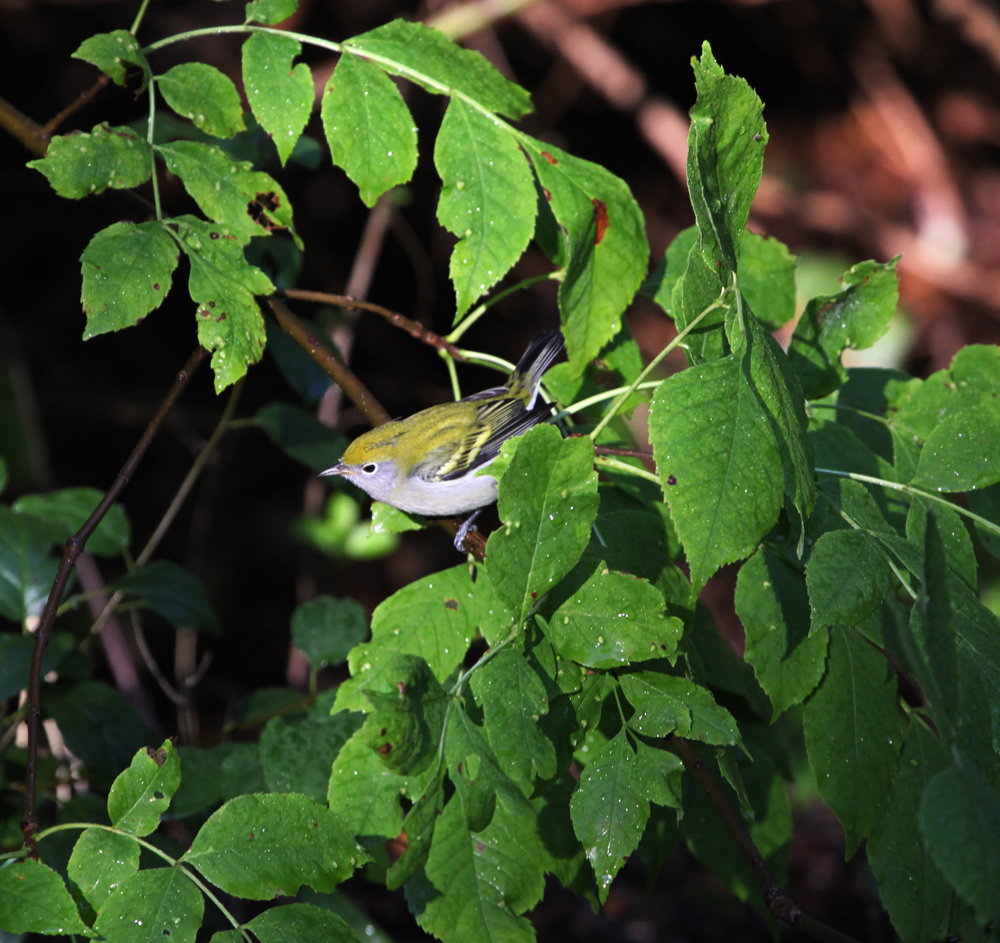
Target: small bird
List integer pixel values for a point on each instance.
(426, 464)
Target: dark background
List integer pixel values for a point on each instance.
(885, 138)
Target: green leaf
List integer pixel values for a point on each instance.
(725, 156)
(513, 698)
(111, 51)
(548, 501)
(33, 899)
(613, 619)
(767, 279)
(609, 813)
(223, 285)
(79, 164)
(852, 735)
(151, 905)
(215, 775)
(15, 659)
(912, 889)
(435, 618)
(26, 567)
(427, 57)
(963, 452)
(487, 199)
(297, 757)
(656, 775)
(855, 317)
(665, 277)
(68, 510)
(954, 535)
(101, 862)
(608, 250)
(368, 127)
(304, 923)
(248, 202)
(960, 823)
(986, 503)
(99, 726)
(270, 12)
(389, 520)
(847, 576)
(171, 591)
(280, 96)
(729, 440)
(142, 793)
(201, 93)
(262, 846)
(667, 704)
(326, 629)
(364, 792)
(419, 825)
(409, 712)
(773, 606)
(477, 883)
(127, 271)
(301, 435)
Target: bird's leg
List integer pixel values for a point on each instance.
(464, 529)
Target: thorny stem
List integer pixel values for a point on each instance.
(909, 489)
(633, 386)
(182, 492)
(74, 547)
(778, 902)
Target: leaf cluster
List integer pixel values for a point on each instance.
(515, 719)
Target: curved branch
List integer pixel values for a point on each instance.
(74, 547)
(778, 902)
(413, 328)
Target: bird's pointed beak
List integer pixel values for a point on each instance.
(337, 469)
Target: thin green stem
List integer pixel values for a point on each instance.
(605, 461)
(479, 311)
(631, 388)
(150, 131)
(452, 374)
(888, 557)
(583, 404)
(173, 862)
(909, 489)
(851, 409)
(139, 17)
(488, 360)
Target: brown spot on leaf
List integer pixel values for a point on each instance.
(221, 317)
(671, 480)
(451, 604)
(548, 194)
(549, 157)
(261, 208)
(156, 286)
(385, 749)
(600, 220)
(159, 757)
(213, 235)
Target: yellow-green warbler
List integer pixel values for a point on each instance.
(426, 464)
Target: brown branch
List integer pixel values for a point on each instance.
(84, 98)
(628, 453)
(20, 126)
(74, 547)
(778, 902)
(339, 372)
(413, 328)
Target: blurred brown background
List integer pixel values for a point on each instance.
(884, 118)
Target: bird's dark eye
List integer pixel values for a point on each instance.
(370, 468)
